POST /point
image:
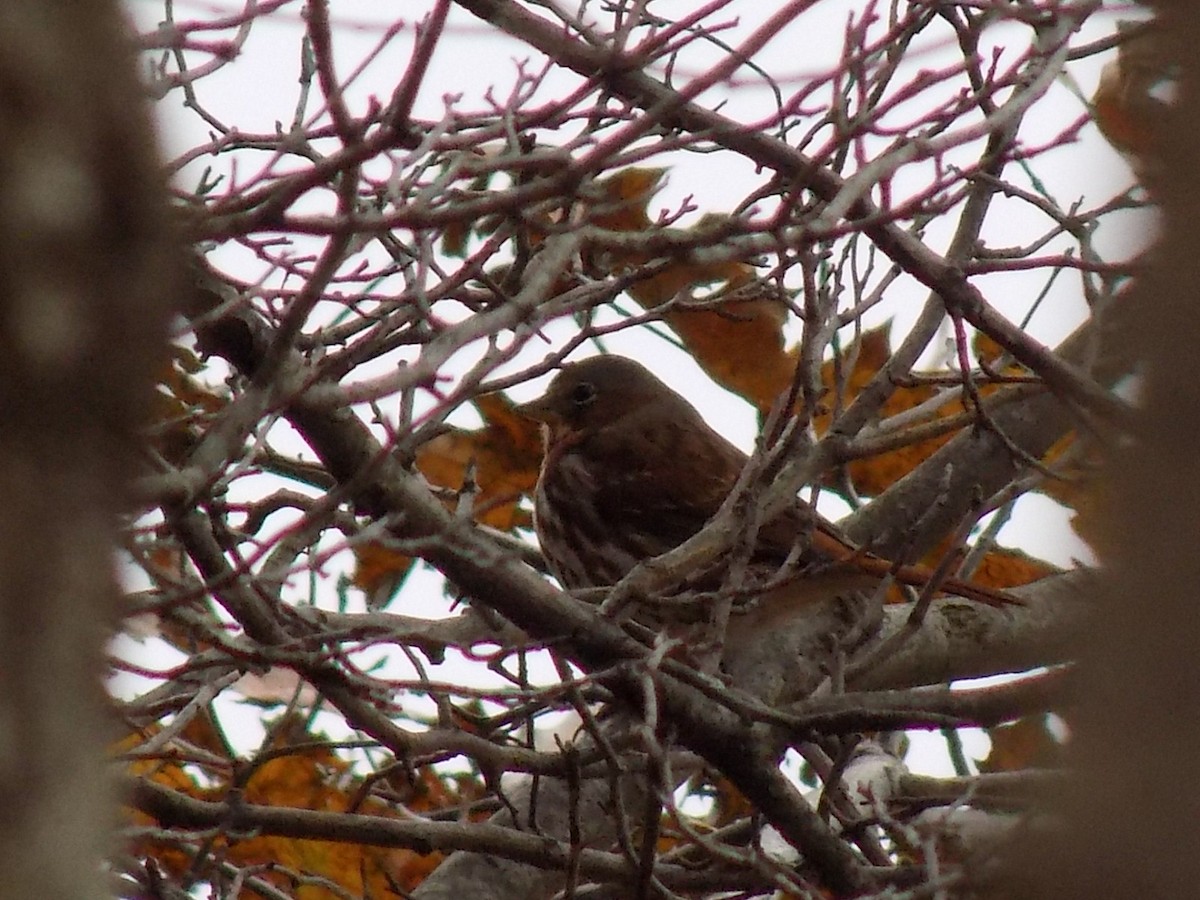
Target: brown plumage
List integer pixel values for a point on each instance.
(632, 470)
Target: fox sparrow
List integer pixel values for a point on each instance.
(631, 470)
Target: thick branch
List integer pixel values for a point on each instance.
(177, 810)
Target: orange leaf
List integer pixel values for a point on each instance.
(506, 452)
(169, 772)
(379, 570)
(1094, 517)
(875, 474)
(1124, 106)
(1080, 488)
(1005, 568)
(987, 349)
(621, 199)
(858, 365)
(315, 779)
(1021, 745)
(739, 341)
(736, 334)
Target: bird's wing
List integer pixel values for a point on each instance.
(668, 476)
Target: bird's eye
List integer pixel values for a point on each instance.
(583, 394)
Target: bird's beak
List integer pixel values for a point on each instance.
(556, 432)
(539, 410)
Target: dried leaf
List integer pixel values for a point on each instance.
(738, 337)
(858, 365)
(315, 779)
(1023, 744)
(1005, 568)
(619, 202)
(736, 332)
(1125, 106)
(1094, 517)
(177, 401)
(506, 454)
(379, 571)
(873, 475)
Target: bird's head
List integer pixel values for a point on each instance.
(595, 393)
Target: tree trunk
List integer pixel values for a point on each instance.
(84, 279)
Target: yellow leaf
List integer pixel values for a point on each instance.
(621, 199)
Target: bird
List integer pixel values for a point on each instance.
(630, 470)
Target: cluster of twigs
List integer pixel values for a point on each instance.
(367, 269)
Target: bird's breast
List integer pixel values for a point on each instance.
(584, 544)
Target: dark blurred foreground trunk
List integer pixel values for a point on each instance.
(85, 276)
